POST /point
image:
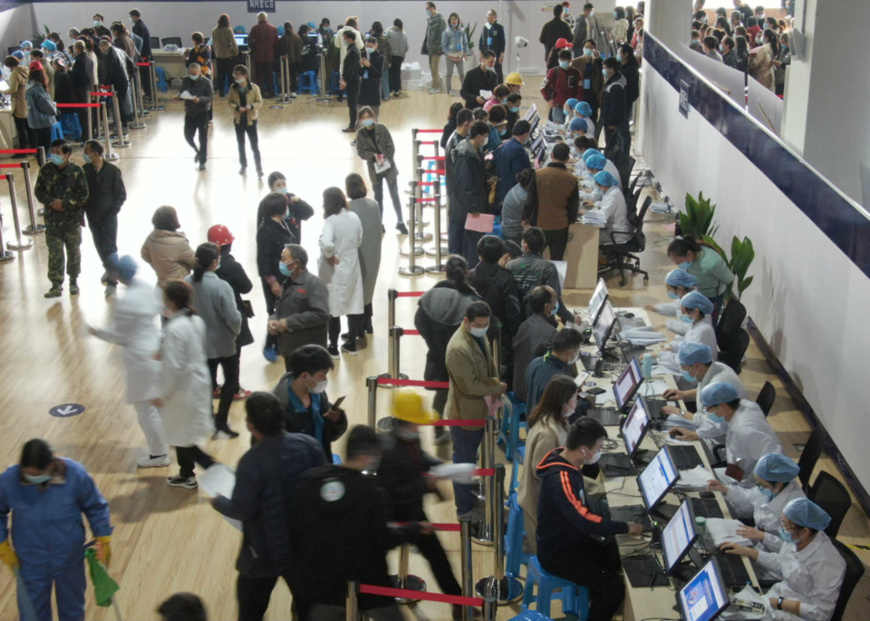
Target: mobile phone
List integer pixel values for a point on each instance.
(337, 403)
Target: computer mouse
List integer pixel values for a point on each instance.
(708, 495)
(673, 433)
(629, 315)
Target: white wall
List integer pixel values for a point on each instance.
(16, 25)
(808, 299)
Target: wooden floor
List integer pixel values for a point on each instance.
(168, 540)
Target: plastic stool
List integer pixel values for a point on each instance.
(308, 83)
(69, 121)
(575, 598)
(509, 434)
(513, 539)
(161, 79)
(519, 460)
(530, 615)
(57, 132)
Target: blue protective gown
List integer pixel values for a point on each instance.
(48, 535)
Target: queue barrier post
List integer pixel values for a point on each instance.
(372, 385)
(404, 580)
(34, 228)
(490, 609)
(437, 249)
(20, 243)
(504, 589)
(392, 296)
(485, 532)
(121, 143)
(466, 564)
(282, 97)
(90, 123)
(155, 98)
(395, 333)
(352, 607)
(40, 156)
(5, 255)
(138, 109)
(325, 92)
(418, 212)
(109, 154)
(412, 269)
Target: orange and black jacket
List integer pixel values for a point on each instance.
(564, 520)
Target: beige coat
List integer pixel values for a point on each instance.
(472, 377)
(761, 66)
(170, 254)
(224, 43)
(17, 90)
(543, 438)
(254, 99)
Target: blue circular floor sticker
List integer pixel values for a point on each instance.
(66, 410)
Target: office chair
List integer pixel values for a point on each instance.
(730, 318)
(833, 497)
(172, 41)
(155, 43)
(624, 256)
(732, 339)
(810, 455)
(854, 571)
(738, 343)
(766, 397)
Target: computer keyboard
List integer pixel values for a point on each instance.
(654, 407)
(707, 507)
(685, 457)
(644, 571)
(734, 573)
(605, 416)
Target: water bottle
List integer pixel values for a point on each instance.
(647, 367)
(701, 530)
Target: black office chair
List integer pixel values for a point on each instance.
(172, 41)
(833, 497)
(766, 397)
(732, 339)
(810, 455)
(738, 344)
(854, 571)
(730, 318)
(623, 256)
(155, 43)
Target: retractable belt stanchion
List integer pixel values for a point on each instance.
(352, 606)
(5, 255)
(34, 228)
(392, 296)
(138, 108)
(283, 97)
(490, 609)
(466, 565)
(404, 580)
(155, 98)
(20, 243)
(504, 589)
(372, 386)
(325, 94)
(109, 154)
(412, 268)
(437, 248)
(421, 236)
(485, 532)
(395, 333)
(121, 142)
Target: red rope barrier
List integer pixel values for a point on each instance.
(474, 422)
(18, 150)
(439, 171)
(3, 177)
(484, 472)
(78, 105)
(429, 131)
(400, 294)
(450, 528)
(102, 94)
(436, 157)
(427, 183)
(411, 332)
(143, 64)
(409, 382)
(19, 165)
(456, 600)
(427, 200)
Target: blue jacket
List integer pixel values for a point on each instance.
(565, 523)
(510, 159)
(41, 112)
(492, 38)
(454, 41)
(309, 421)
(47, 528)
(263, 500)
(539, 373)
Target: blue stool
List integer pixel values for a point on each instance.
(575, 598)
(513, 539)
(519, 460)
(509, 434)
(336, 460)
(57, 132)
(161, 79)
(69, 121)
(308, 83)
(530, 615)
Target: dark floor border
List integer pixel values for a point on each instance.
(812, 418)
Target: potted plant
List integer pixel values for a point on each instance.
(742, 255)
(469, 35)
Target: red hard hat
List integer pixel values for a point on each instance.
(220, 235)
(563, 43)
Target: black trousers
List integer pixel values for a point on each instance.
(597, 567)
(294, 68)
(254, 595)
(352, 92)
(271, 298)
(145, 75)
(430, 547)
(23, 130)
(42, 138)
(354, 327)
(557, 241)
(223, 73)
(105, 234)
(193, 124)
(243, 128)
(265, 79)
(469, 247)
(230, 366)
(396, 73)
(190, 455)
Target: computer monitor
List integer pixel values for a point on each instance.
(532, 111)
(537, 144)
(627, 383)
(534, 125)
(636, 424)
(597, 299)
(602, 329)
(241, 39)
(704, 597)
(657, 479)
(678, 536)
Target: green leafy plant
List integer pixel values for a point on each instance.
(697, 220)
(469, 35)
(742, 255)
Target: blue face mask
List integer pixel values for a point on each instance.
(87, 158)
(194, 77)
(785, 535)
(428, 13)
(56, 159)
(685, 265)
(715, 417)
(368, 122)
(282, 267)
(686, 319)
(564, 64)
(619, 58)
(687, 377)
(37, 479)
(587, 51)
(673, 295)
(504, 101)
(555, 309)
(514, 110)
(767, 493)
(502, 132)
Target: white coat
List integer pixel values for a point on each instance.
(135, 329)
(672, 309)
(699, 332)
(746, 502)
(613, 207)
(185, 382)
(707, 429)
(813, 576)
(749, 438)
(342, 238)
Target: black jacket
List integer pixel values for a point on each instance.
(492, 38)
(232, 272)
(439, 315)
(263, 500)
(350, 70)
(565, 523)
(82, 77)
(299, 420)
(271, 237)
(304, 305)
(200, 88)
(342, 535)
(370, 84)
(632, 83)
(400, 474)
(613, 108)
(477, 80)
(106, 192)
(298, 211)
(498, 288)
(552, 31)
(141, 30)
(468, 181)
(532, 270)
(533, 339)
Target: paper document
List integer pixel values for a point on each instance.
(725, 531)
(382, 166)
(724, 478)
(562, 270)
(695, 479)
(486, 94)
(219, 480)
(493, 402)
(460, 473)
(186, 95)
(481, 222)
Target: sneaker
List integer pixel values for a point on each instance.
(180, 481)
(259, 173)
(270, 353)
(216, 393)
(104, 279)
(241, 395)
(243, 170)
(111, 290)
(345, 336)
(201, 167)
(333, 351)
(349, 130)
(54, 292)
(433, 91)
(403, 230)
(349, 347)
(148, 461)
(73, 288)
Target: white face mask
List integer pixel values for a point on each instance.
(594, 459)
(319, 387)
(575, 358)
(478, 332)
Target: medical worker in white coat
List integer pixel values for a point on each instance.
(135, 329)
(184, 391)
(618, 229)
(339, 268)
(695, 310)
(749, 435)
(595, 162)
(677, 283)
(809, 567)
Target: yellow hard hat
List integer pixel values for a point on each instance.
(514, 78)
(408, 407)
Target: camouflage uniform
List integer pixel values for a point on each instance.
(63, 228)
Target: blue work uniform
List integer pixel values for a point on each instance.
(48, 535)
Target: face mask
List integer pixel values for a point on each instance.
(587, 51)
(786, 536)
(194, 77)
(241, 81)
(555, 308)
(368, 122)
(605, 74)
(785, 47)
(488, 68)
(715, 417)
(97, 23)
(767, 493)
(619, 58)
(283, 191)
(87, 158)
(37, 479)
(284, 269)
(686, 318)
(564, 64)
(673, 295)
(56, 159)
(594, 459)
(428, 13)
(687, 376)
(504, 101)
(408, 435)
(319, 387)
(478, 332)
(685, 265)
(514, 110)
(615, 16)
(502, 132)
(369, 50)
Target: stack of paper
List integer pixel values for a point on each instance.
(594, 217)
(460, 473)
(186, 95)
(219, 480)
(694, 479)
(724, 531)
(642, 336)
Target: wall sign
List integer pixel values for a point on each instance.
(261, 6)
(684, 98)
